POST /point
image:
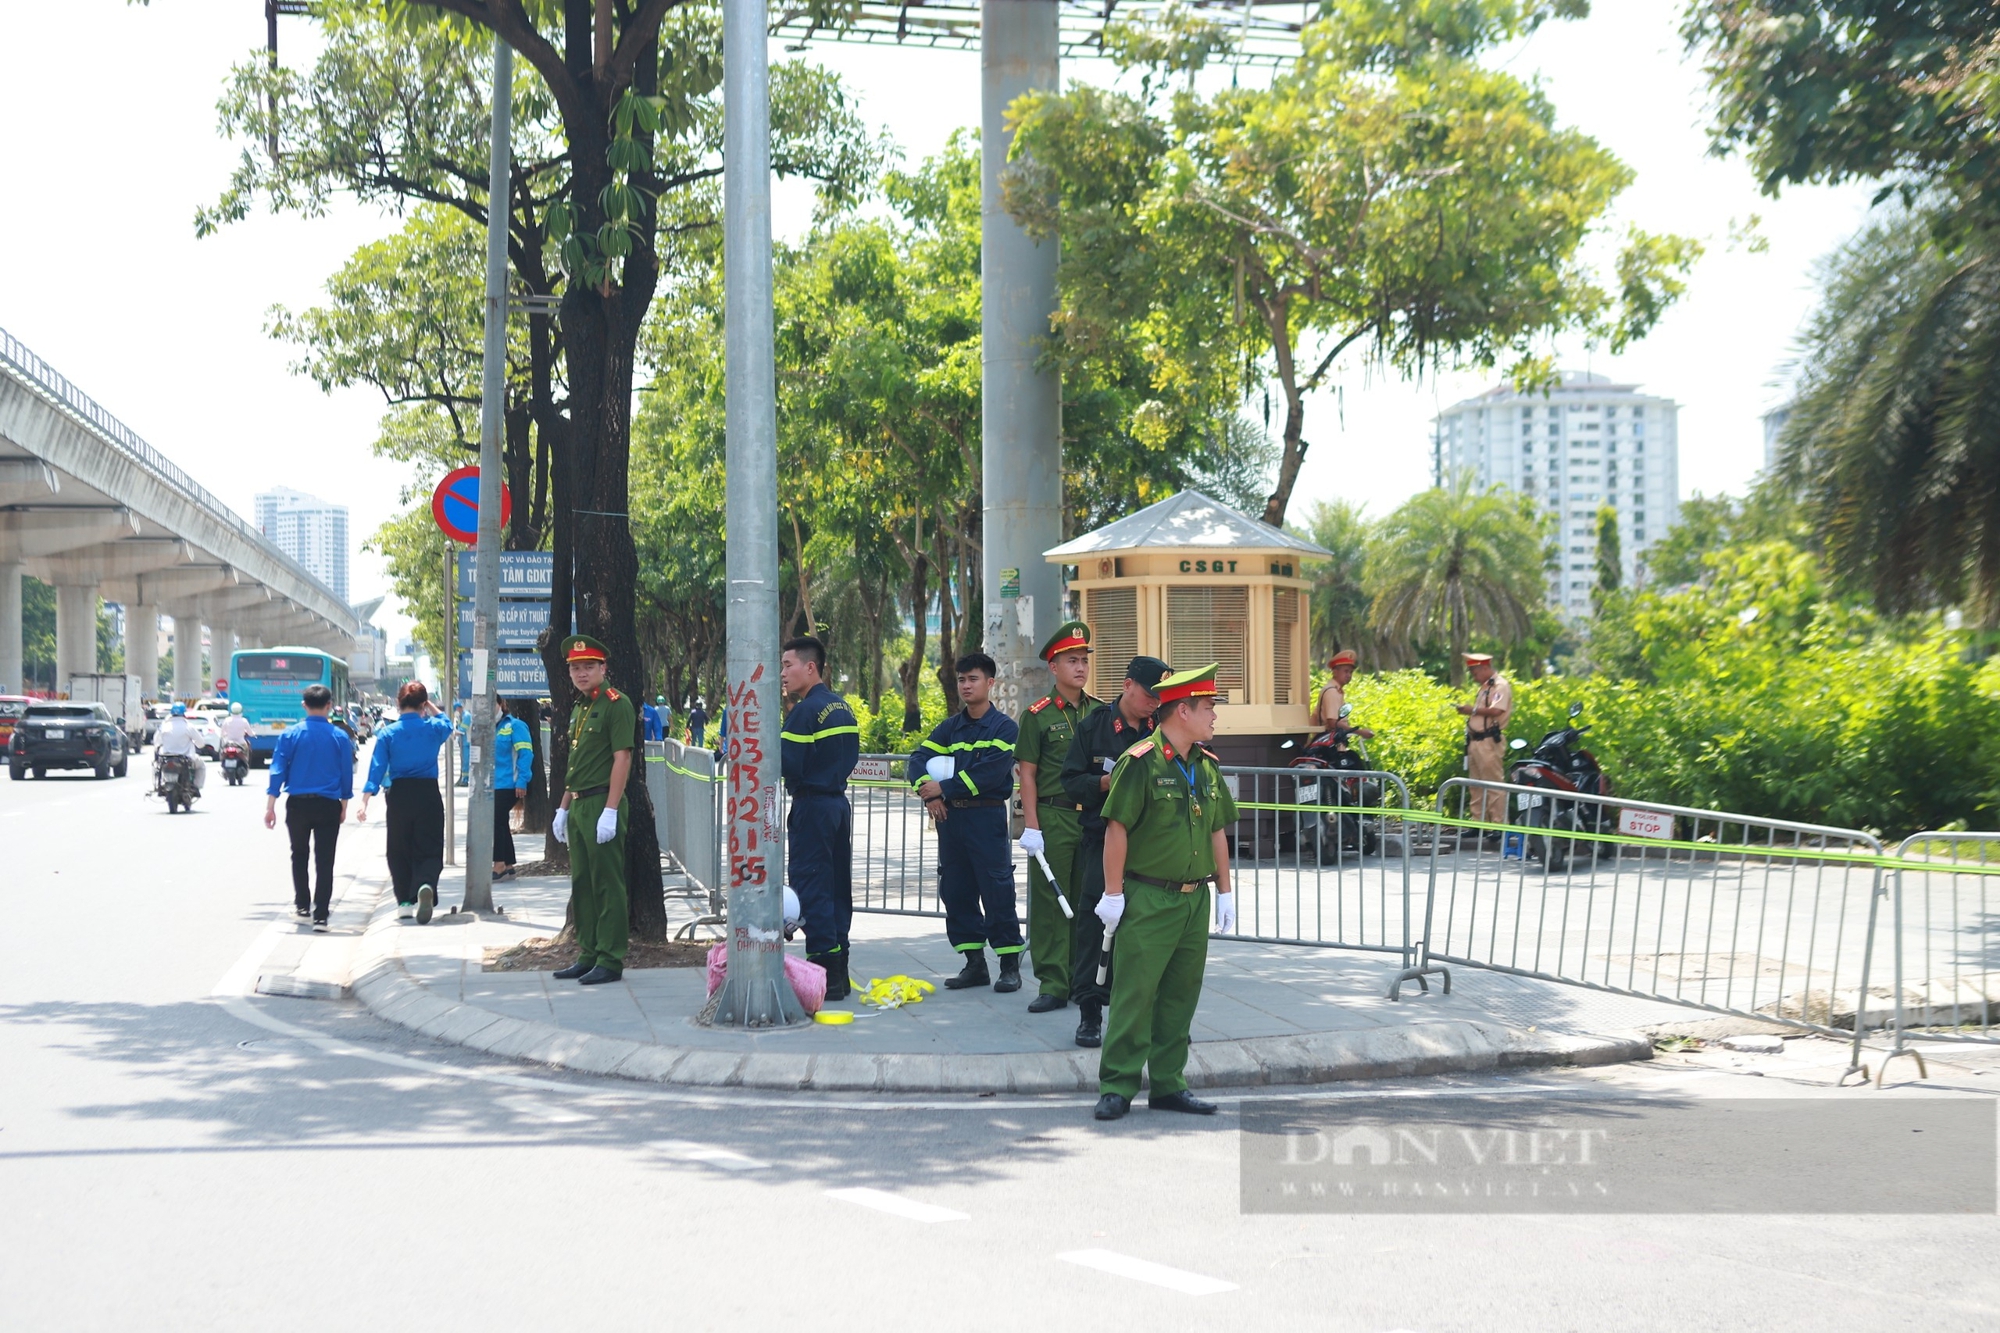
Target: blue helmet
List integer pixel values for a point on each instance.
(180, 710)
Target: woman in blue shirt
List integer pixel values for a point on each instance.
(513, 765)
(405, 760)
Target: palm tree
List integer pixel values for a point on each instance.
(1453, 563)
(1339, 590)
(1894, 438)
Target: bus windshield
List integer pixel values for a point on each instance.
(297, 668)
(269, 683)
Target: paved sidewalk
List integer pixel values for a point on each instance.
(1269, 1015)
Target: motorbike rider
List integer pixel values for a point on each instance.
(235, 729)
(1333, 697)
(177, 737)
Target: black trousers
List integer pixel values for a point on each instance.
(416, 835)
(503, 829)
(314, 823)
(1086, 932)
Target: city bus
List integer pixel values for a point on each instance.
(268, 682)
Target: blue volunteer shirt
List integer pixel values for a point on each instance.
(982, 753)
(406, 748)
(513, 754)
(819, 744)
(314, 758)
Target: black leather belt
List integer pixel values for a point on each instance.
(1060, 805)
(972, 804)
(1174, 885)
(605, 790)
(1484, 734)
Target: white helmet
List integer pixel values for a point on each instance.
(236, 710)
(791, 909)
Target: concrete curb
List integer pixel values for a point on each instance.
(382, 983)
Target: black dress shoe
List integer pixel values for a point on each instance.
(1010, 974)
(1047, 1004)
(1112, 1107)
(574, 970)
(1183, 1101)
(1090, 1032)
(973, 974)
(597, 976)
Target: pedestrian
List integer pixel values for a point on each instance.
(1485, 743)
(697, 723)
(1049, 814)
(818, 748)
(651, 716)
(1167, 820)
(666, 712)
(513, 768)
(313, 766)
(964, 774)
(1086, 775)
(463, 727)
(404, 763)
(603, 728)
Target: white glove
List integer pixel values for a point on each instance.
(607, 826)
(1225, 914)
(559, 827)
(1110, 908)
(1031, 841)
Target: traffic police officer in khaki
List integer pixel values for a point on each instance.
(603, 728)
(1485, 742)
(1167, 817)
(1050, 814)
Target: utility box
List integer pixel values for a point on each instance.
(1191, 581)
(121, 695)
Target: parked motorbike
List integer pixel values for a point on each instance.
(173, 779)
(1344, 823)
(1560, 767)
(235, 763)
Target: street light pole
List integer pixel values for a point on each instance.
(756, 993)
(492, 406)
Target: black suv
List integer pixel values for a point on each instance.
(60, 735)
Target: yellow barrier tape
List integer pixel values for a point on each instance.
(895, 992)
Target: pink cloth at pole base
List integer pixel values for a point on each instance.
(808, 979)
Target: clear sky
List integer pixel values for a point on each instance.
(112, 146)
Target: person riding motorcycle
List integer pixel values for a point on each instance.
(177, 737)
(236, 727)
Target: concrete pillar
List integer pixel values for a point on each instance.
(219, 657)
(1021, 431)
(187, 656)
(142, 645)
(10, 627)
(76, 631)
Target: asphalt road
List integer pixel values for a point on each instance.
(175, 1159)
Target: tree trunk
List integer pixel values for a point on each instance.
(912, 671)
(1277, 316)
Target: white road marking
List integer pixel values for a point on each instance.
(710, 1155)
(1139, 1270)
(537, 1108)
(882, 1201)
(241, 978)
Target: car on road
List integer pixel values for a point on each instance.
(207, 734)
(66, 735)
(11, 708)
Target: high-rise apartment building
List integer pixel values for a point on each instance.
(1574, 448)
(309, 530)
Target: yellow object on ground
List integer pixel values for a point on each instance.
(895, 992)
(834, 1016)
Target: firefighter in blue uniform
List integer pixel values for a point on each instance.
(818, 746)
(964, 774)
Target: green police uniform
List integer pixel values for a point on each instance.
(1171, 806)
(1047, 727)
(599, 726)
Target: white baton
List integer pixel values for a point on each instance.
(1061, 901)
(1104, 956)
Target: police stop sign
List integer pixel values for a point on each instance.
(455, 505)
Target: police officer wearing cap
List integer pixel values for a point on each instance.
(1485, 742)
(818, 747)
(1333, 695)
(1167, 817)
(603, 730)
(1100, 738)
(1049, 813)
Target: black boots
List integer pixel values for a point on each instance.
(573, 971)
(1048, 1004)
(835, 966)
(975, 973)
(1010, 974)
(1090, 1032)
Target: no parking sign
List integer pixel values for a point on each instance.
(455, 505)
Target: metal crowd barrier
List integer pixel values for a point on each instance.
(895, 850)
(1945, 941)
(687, 814)
(1763, 918)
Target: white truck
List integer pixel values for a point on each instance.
(121, 695)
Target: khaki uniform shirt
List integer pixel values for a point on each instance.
(1171, 806)
(599, 727)
(1495, 693)
(1331, 699)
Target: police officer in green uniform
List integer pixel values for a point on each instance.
(1167, 817)
(603, 729)
(1100, 739)
(1052, 829)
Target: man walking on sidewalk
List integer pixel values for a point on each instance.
(603, 728)
(313, 765)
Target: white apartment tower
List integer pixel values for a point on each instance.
(309, 530)
(1574, 448)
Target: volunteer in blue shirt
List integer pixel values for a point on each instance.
(405, 761)
(652, 718)
(313, 766)
(513, 765)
